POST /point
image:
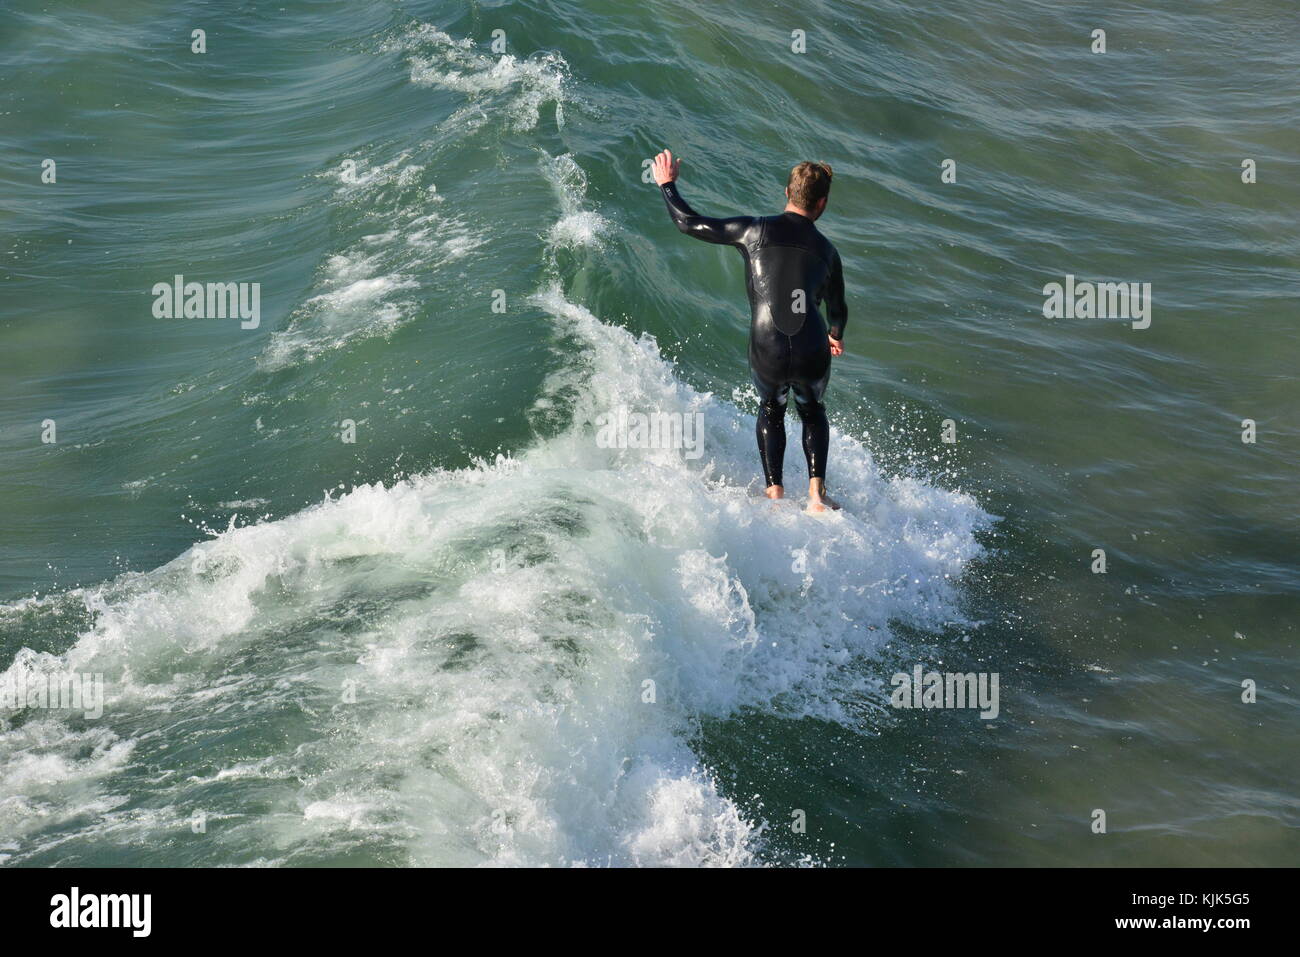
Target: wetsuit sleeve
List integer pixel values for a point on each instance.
(836, 311)
(724, 232)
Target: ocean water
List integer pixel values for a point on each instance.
(431, 646)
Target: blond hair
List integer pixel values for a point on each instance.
(808, 183)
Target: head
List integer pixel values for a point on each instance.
(808, 188)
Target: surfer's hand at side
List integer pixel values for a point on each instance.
(837, 347)
(665, 168)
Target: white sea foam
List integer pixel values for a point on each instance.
(366, 291)
(577, 226)
(505, 707)
(438, 60)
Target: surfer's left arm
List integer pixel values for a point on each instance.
(836, 309)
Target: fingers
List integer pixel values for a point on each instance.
(664, 167)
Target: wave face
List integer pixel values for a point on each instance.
(505, 663)
(496, 625)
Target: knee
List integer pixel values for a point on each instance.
(810, 410)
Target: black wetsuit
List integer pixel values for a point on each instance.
(790, 267)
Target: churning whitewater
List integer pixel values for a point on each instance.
(504, 664)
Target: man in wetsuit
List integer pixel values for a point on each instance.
(790, 267)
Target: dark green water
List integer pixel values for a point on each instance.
(429, 646)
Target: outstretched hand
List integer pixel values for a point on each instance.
(837, 347)
(665, 168)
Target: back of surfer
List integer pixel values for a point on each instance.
(790, 267)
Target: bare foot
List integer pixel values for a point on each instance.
(818, 500)
(774, 491)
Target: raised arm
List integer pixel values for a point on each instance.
(725, 232)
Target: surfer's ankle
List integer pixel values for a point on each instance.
(818, 500)
(775, 491)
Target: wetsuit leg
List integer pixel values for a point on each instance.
(770, 429)
(816, 430)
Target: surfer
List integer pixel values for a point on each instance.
(790, 267)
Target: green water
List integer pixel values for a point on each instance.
(381, 172)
